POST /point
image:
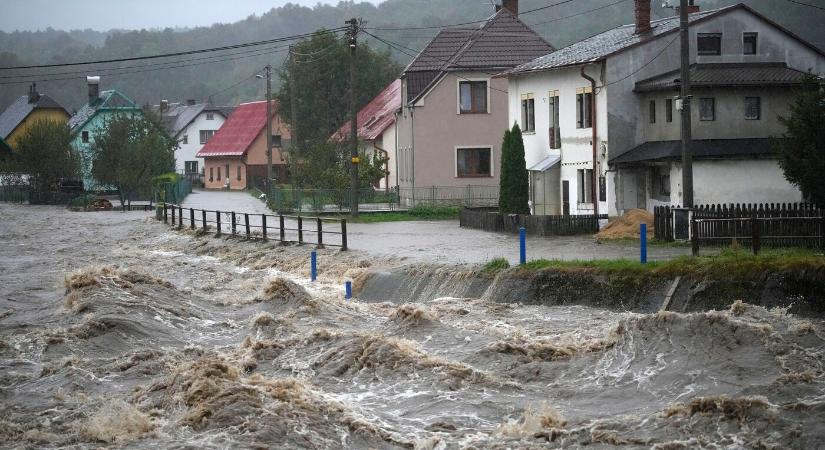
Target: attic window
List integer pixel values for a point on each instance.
(84, 137)
(371, 121)
(749, 43)
(210, 116)
(709, 43)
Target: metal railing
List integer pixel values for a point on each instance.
(283, 228)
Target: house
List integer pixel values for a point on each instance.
(5, 150)
(235, 157)
(377, 130)
(454, 111)
(26, 110)
(743, 69)
(91, 119)
(191, 124)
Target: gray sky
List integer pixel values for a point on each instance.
(103, 15)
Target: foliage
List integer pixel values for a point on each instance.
(322, 84)
(44, 154)
(802, 149)
(326, 165)
(418, 212)
(513, 188)
(496, 264)
(129, 152)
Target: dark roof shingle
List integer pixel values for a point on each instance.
(727, 74)
(17, 112)
(702, 149)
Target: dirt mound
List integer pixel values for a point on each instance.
(627, 226)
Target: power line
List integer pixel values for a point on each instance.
(546, 7)
(234, 85)
(190, 52)
(577, 14)
(807, 4)
(644, 65)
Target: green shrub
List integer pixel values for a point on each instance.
(496, 264)
(81, 201)
(433, 211)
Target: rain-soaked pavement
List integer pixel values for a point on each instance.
(444, 241)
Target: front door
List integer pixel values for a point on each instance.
(565, 197)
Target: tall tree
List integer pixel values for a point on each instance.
(44, 157)
(802, 147)
(129, 152)
(513, 188)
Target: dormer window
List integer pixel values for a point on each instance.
(709, 43)
(210, 116)
(749, 43)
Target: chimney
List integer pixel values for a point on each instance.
(642, 10)
(510, 5)
(164, 105)
(94, 89)
(691, 8)
(190, 102)
(34, 96)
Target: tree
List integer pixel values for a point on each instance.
(326, 166)
(802, 147)
(513, 187)
(44, 157)
(129, 152)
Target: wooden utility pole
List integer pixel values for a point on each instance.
(293, 99)
(268, 131)
(685, 97)
(352, 33)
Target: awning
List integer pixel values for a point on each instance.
(545, 163)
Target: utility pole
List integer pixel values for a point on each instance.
(685, 97)
(293, 99)
(352, 33)
(268, 131)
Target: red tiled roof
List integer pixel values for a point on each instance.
(377, 116)
(239, 131)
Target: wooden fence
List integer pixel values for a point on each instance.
(260, 226)
(488, 219)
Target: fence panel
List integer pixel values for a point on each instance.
(488, 219)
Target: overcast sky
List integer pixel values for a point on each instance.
(103, 15)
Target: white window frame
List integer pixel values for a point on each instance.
(458, 95)
(492, 159)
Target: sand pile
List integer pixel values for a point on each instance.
(627, 226)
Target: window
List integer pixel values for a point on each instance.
(239, 173)
(584, 114)
(709, 43)
(753, 108)
(472, 97)
(84, 137)
(211, 174)
(669, 110)
(185, 139)
(652, 111)
(474, 162)
(206, 135)
(661, 180)
(210, 116)
(555, 132)
(707, 109)
(219, 174)
(749, 43)
(190, 166)
(528, 113)
(277, 140)
(585, 185)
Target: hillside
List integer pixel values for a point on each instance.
(225, 79)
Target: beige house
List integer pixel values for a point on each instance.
(454, 110)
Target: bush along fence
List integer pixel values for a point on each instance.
(488, 219)
(173, 193)
(322, 232)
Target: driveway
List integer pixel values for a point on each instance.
(437, 241)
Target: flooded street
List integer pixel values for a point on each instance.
(117, 331)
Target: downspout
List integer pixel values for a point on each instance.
(412, 151)
(396, 113)
(593, 178)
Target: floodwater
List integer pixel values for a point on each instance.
(115, 331)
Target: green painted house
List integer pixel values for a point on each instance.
(89, 120)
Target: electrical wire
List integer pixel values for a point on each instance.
(577, 14)
(234, 85)
(807, 4)
(644, 65)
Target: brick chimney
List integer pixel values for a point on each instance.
(510, 5)
(691, 8)
(34, 96)
(94, 89)
(642, 10)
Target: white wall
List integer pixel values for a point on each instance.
(735, 181)
(187, 152)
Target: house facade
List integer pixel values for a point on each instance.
(25, 111)
(91, 119)
(454, 110)
(377, 131)
(744, 68)
(235, 157)
(192, 125)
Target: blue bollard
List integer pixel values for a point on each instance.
(522, 237)
(314, 265)
(643, 243)
(348, 287)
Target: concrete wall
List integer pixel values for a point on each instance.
(430, 132)
(187, 152)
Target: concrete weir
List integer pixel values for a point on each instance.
(803, 292)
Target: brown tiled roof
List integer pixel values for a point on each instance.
(726, 74)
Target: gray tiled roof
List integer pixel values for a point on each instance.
(602, 45)
(20, 109)
(702, 149)
(111, 99)
(726, 74)
(178, 116)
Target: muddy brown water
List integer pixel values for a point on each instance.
(117, 332)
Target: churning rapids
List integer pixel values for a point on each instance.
(115, 331)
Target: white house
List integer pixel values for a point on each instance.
(744, 68)
(192, 125)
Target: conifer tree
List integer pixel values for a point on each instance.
(504, 182)
(514, 187)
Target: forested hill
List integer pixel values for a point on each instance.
(196, 78)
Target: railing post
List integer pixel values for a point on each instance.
(643, 243)
(218, 221)
(180, 217)
(314, 265)
(203, 219)
(191, 218)
(246, 224)
(755, 234)
(694, 237)
(165, 214)
(320, 233)
(522, 237)
(234, 223)
(263, 225)
(173, 216)
(343, 234)
(300, 230)
(283, 232)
